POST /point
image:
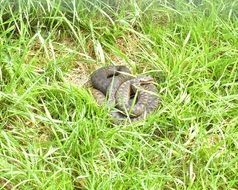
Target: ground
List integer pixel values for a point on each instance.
(53, 134)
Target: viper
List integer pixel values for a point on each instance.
(131, 98)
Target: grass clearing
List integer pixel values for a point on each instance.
(54, 136)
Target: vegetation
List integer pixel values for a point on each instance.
(53, 134)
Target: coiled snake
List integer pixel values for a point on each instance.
(131, 98)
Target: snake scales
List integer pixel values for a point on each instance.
(131, 97)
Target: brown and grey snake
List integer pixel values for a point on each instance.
(131, 98)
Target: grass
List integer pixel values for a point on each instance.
(54, 136)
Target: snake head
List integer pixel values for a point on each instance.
(145, 80)
(140, 81)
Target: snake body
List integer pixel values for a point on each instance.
(132, 97)
(107, 80)
(133, 91)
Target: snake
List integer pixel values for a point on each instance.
(131, 98)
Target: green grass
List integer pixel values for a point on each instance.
(54, 136)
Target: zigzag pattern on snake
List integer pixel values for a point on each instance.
(131, 97)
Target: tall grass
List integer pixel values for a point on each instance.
(54, 136)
